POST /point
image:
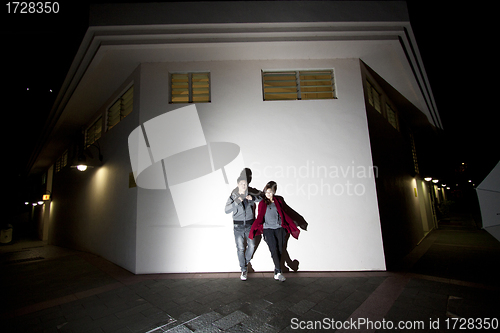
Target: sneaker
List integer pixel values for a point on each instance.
(279, 277)
(243, 276)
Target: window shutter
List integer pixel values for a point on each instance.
(376, 100)
(280, 86)
(391, 116)
(316, 84)
(62, 161)
(121, 108)
(190, 88)
(127, 103)
(200, 87)
(93, 133)
(179, 86)
(369, 89)
(298, 85)
(114, 114)
(414, 153)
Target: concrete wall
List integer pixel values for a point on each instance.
(404, 201)
(428, 219)
(317, 151)
(95, 210)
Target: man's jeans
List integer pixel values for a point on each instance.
(241, 233)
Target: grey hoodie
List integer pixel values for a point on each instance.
(243, 209)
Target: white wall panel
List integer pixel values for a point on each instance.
(317, 151)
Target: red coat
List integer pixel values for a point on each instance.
(286, 221)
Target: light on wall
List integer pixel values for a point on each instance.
(428, 179)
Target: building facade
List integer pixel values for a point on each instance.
(168, 102)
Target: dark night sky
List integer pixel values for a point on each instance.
(457, 52)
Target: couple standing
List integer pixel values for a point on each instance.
(272, 221)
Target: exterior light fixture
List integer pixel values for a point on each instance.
(40, 203)
(34, 204)
(435, 181)
(81, 167)
(26, 203)
(82, 159)
(428, 179)
(81, 164)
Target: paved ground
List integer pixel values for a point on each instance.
(450, 277)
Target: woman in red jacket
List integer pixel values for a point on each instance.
(274, 223)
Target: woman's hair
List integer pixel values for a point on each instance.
(271, 185)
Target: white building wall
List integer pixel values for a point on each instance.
(317, 151)
(96, 210)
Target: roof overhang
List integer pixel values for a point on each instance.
(108, 54)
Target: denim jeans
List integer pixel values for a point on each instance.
(241, 233)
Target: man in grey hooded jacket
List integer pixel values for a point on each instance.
(241, 203)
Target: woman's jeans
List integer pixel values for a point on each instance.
(275, 239)
(241, 233)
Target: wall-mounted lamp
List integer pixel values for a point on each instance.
(81, 164)
(435, 181)
(37, 203)
(47, 196)
(82, 167)
(428, 179)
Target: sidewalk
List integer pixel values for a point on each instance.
(451, 274)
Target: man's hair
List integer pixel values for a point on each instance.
(245, 174)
